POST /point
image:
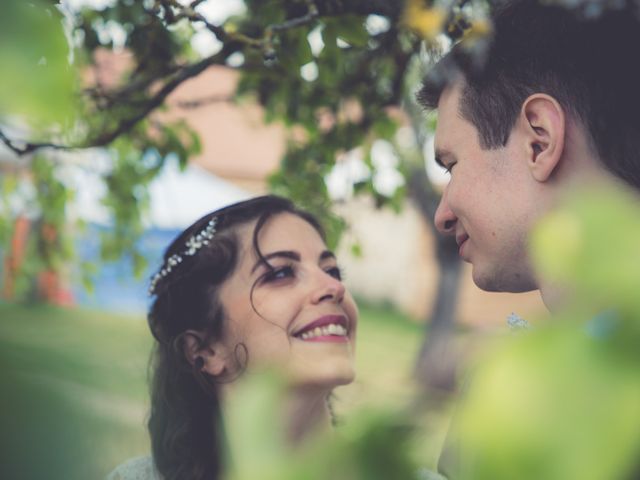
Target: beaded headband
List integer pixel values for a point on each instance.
(192, 245)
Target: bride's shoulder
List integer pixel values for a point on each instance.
(139, 468)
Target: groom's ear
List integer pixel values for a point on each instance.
(206, 355)
(542, 125)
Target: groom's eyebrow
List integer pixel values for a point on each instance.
(290, 254)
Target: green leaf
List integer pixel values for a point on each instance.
(385, 127)
(591, 243)
(553, 404)
(294, 50)
(351, 29)
(37, 82)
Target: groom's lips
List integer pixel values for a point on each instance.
(460, 240)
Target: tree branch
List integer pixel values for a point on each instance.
(312, 14)
(102, 139)
(315, 10)
(385, 8)
(21, 148)
(188, 12)
(106, 98)
(201, 102)
(158, 99)
(231, 42)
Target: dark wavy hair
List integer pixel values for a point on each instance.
(588, 63)
(185, 422)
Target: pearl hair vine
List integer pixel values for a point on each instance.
(192, 245)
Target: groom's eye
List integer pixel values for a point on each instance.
(449, 167)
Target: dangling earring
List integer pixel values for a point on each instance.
(332, 415)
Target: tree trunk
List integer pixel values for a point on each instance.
(436, 362)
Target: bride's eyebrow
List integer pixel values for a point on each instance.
(290, 254)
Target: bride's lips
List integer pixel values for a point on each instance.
(328, 328)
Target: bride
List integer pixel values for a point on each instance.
(248, 287)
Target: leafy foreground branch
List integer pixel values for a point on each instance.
(165, 15)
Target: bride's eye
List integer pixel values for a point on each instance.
(335, 272)
(278, 273)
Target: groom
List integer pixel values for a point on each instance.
(555, 103)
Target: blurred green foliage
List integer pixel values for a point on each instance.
(372, 445)
(570, 247)
(38, 83)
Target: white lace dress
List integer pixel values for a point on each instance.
(140, 468)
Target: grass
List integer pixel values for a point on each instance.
(74, 391)
(74, 385)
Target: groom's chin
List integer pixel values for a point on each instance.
(501, 280)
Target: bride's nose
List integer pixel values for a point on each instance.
(327, 288)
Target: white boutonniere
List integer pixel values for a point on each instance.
(516, 323)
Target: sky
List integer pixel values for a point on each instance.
(177, 198)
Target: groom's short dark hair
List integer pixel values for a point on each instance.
(588, 59)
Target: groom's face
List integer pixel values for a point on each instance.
(488, 204)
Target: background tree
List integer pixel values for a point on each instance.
(359, 77)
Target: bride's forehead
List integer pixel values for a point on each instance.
(287, 225)
(283, 231)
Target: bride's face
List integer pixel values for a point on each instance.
(296, 315)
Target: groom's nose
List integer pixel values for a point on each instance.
(445, 219)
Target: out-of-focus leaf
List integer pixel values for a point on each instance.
(555, 404)
(351, 29)
(255, 424)
(37, 81)
(591, 243)
(427, 22)
(385, 127)
(374, 445)
(295, 46)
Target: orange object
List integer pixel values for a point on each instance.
(15, 255)
(50, 287)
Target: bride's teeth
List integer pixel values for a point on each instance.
(327, 330)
